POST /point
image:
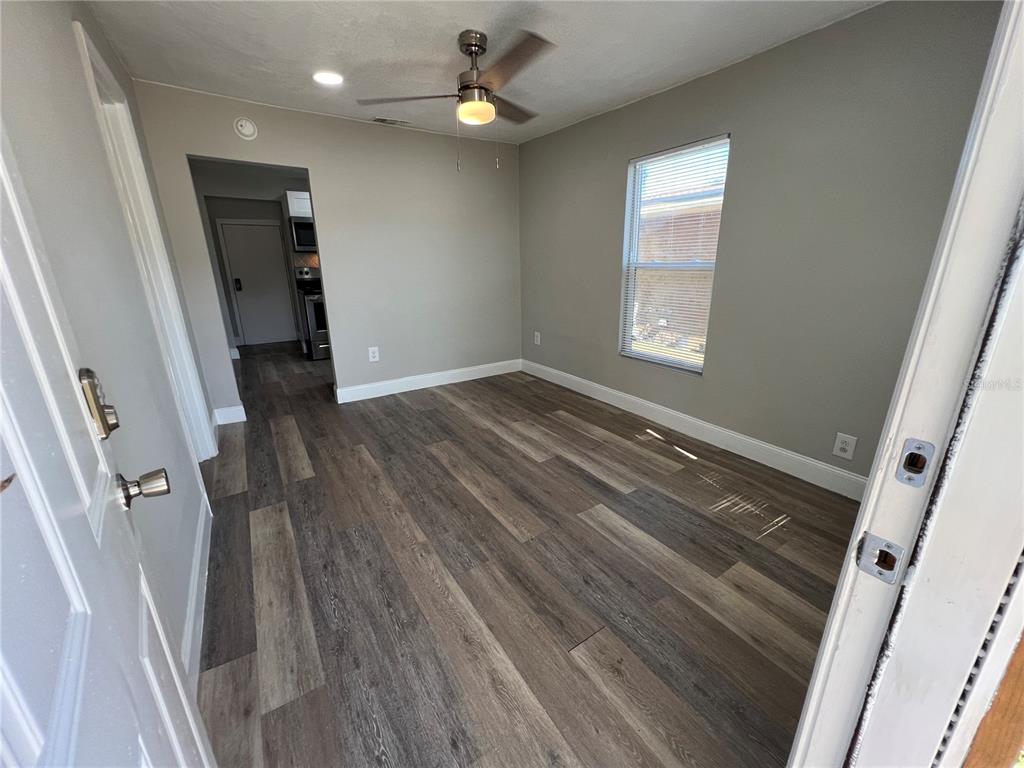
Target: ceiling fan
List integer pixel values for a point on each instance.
(478, 102)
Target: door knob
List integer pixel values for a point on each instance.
(153, 483)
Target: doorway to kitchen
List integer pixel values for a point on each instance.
(261, 235)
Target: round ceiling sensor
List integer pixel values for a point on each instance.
(246, 128)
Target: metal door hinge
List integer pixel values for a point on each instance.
(879, 557)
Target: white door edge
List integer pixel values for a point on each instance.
(191, 641)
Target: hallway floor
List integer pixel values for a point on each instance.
(501, 572)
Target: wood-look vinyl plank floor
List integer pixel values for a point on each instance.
(302, 733)
(668, 725)
(229, 475)
(229, 629)
(291, 451)
(501, 572)
(229, 703)
(286, 647)
(779, 643)
(594, 729)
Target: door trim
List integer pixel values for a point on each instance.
(939, 359)
(136, 197)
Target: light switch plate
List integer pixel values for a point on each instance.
(374, 354)
(536, 338)
(844, 446)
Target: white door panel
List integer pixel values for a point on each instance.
(83, 681)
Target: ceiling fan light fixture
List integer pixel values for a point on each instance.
(475, 107)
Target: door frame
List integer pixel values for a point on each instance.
(944, 346)
(233, 304)
(128, 167)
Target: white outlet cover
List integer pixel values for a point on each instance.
(536, 338)
(844, 446)
(373, 353)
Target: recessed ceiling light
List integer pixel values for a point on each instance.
(325, 77)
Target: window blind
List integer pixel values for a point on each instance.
(673, 212)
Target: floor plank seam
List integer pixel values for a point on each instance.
(581, 642)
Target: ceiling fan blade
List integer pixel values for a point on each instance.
(396, 99)
(528, 48)
(512, 112)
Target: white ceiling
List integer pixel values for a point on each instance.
(608, 54)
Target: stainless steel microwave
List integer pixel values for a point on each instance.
(303, 233)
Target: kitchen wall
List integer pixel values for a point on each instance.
(845, 143)
(241, 191)
(417, 258)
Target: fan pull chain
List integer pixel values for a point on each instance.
(497, 155)
(458, 145)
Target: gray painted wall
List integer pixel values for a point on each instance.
(417, 258)
(845, 144)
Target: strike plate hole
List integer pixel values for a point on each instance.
(885, 560)
(915, 463)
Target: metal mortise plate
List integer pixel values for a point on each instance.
(879, 557)
(915, 461)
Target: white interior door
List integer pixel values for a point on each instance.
(256, 268)
(88, 675)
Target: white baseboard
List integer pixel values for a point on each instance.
(229, 415)
(424, 380)
(819, 473)
(192, 634)
(233, 351)
(813, 471)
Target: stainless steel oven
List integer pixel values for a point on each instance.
(317, 339)
(313, 314)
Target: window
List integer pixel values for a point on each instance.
(673, 211)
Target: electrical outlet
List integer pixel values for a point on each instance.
(844, 446)
(374, 353)
(536, 338)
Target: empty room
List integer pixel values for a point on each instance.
(519, 384)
